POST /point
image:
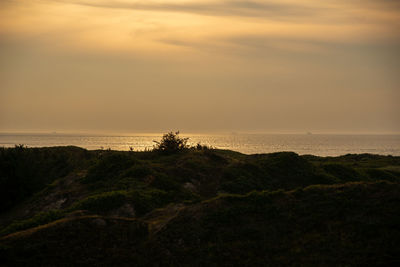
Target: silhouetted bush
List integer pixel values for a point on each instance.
(171, 143)
(201, 147)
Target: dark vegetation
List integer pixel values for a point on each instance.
(171, 143)
(179, 205)
(25, 171)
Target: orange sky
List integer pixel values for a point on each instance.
(266, 66)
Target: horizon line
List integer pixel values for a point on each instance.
(158, 133)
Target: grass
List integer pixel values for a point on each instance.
(203, 207)
(39, 219)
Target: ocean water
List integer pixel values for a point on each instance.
(315, 144)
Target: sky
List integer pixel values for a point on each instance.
(273, 66)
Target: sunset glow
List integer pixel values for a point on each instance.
(200, 65)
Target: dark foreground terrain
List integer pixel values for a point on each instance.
(66, 206)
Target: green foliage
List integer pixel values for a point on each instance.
(377, 174)
(346, 173)
(110, 165)
(171, 143)
(143, 201)
(147, 200)
(25, 171)
(80, 241)
(202, 207)
(344, 225)
(101, 202)
(39, 219)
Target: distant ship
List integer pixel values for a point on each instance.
(309, 133)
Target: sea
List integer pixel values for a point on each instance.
(314, 144)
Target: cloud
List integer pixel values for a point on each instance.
(268, 9)
(340, 12)
(378, 3)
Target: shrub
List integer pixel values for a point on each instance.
(171, 143)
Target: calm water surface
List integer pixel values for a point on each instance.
(316, 144)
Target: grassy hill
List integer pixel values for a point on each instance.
(197, 206)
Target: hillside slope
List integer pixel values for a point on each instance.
(198, 207)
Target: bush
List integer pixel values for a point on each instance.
(171, 143)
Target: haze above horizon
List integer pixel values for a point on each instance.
(200, 66)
